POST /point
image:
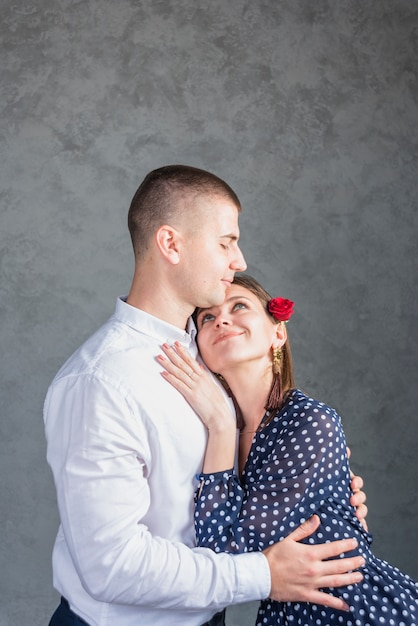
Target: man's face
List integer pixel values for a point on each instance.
(211, 254)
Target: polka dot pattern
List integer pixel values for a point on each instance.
(298, 466)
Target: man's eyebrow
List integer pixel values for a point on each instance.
(230, 236)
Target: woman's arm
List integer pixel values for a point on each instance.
(296, 468)
(205, 396)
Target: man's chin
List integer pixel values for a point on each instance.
(216, 299)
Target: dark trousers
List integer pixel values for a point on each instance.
(217, 620)
(64, 616)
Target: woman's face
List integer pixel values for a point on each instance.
(236, 332)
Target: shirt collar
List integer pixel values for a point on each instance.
(153, 326)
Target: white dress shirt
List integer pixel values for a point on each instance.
(125, 447)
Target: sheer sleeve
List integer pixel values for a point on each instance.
(296, 464)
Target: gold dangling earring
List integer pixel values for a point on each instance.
(277, 359)
(275, 399)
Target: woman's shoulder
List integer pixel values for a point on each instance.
(307, 410)
(297, 397)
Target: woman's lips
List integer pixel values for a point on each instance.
(227, 335)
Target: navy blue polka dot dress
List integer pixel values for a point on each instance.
(298, 466)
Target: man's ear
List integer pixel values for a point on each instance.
(280, 335)
(167, 241)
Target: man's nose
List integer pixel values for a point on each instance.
(238, 264)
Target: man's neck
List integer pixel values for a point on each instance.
(161, 306)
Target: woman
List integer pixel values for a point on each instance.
(292, 459)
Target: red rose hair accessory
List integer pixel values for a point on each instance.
(281, 309)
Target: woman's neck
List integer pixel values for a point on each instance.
(251, 387)
(250, 384)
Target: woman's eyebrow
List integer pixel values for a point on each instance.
(233, 298)
(213, 308)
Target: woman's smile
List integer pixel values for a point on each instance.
(223, 336)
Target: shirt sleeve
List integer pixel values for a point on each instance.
(98, 454)
(295, 464)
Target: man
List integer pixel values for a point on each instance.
(124, 446)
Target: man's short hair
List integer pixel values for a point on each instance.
(163, 192)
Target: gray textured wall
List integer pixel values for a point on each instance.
(309, 110)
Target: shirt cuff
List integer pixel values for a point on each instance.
(253, 575)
